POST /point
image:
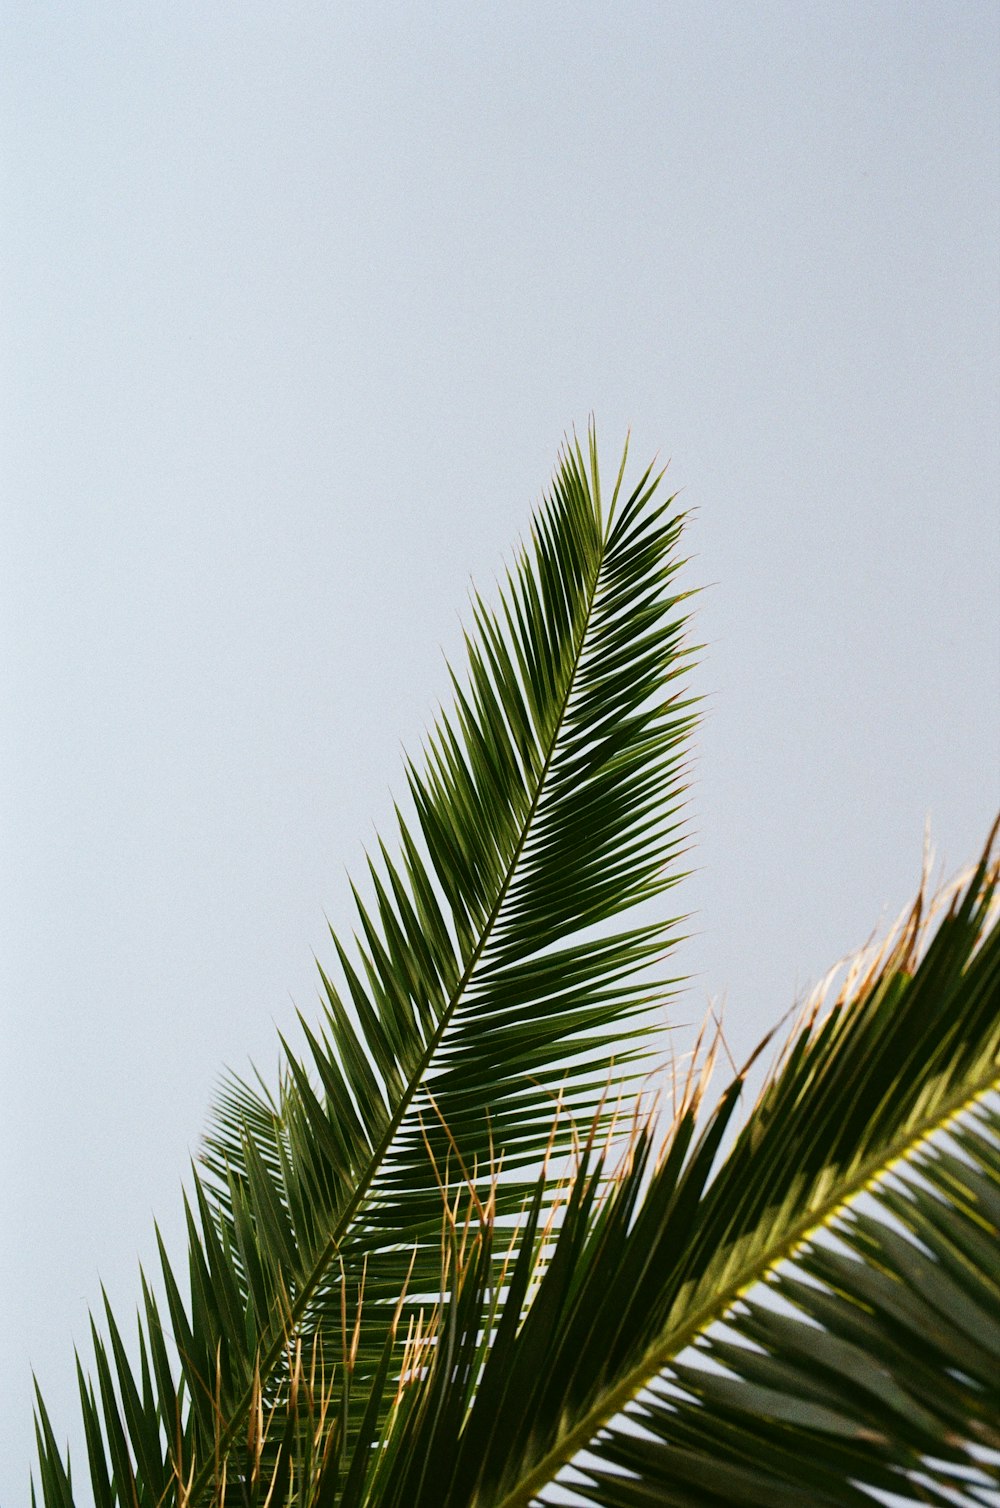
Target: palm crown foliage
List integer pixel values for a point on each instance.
(455, 1251)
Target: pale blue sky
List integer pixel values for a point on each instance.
(297, 304)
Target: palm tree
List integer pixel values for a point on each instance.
(456, 1251)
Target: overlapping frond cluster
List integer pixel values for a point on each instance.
(864, 1192)
(493, 976)
(398, 1297)
(880, 1368)
(895, 1385)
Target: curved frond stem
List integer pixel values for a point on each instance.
(696, 1323)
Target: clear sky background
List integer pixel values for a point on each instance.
(297, 303)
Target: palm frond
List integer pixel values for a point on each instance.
(883, 1371)
(394, 1298)
(840, 1391)
(493, 974)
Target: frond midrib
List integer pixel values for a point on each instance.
(866, 1175)
(296, 1310)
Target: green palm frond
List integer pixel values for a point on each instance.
(896, 1382)
(888, 1095)
(496, 972)
(397, 1297)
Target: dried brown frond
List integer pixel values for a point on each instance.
(897, 950)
